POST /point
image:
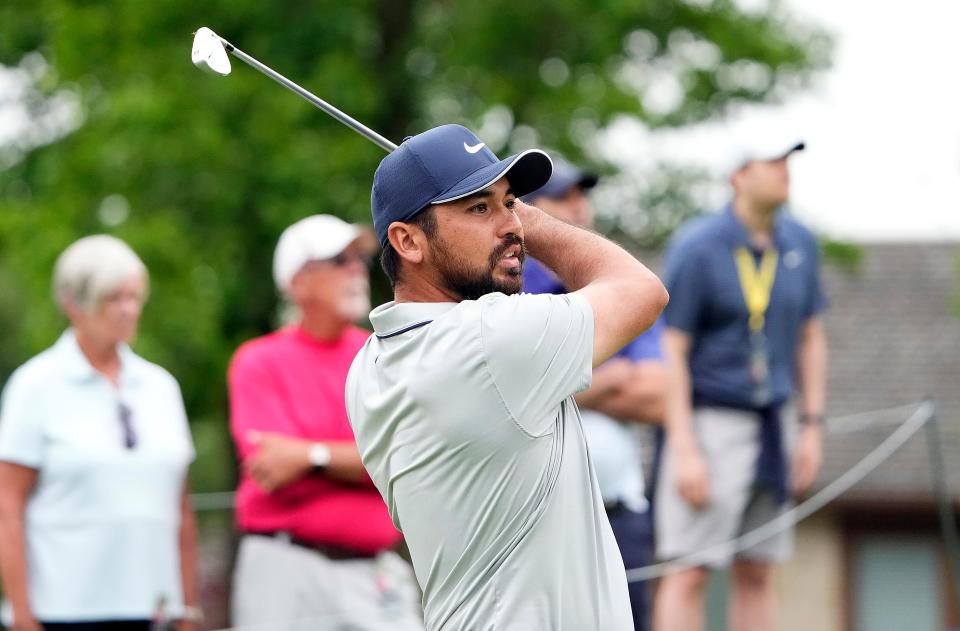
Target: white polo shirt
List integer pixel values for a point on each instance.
(615, 448)
(102, 524)
(464, 417)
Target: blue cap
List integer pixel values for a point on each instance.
(444, 164)
(565, 176)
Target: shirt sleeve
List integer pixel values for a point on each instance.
(255, 402)
(539, 350)
(816, 302)
(21, 425)
(683, 279)
(646, 346)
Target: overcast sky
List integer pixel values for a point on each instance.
(882, 125)
(884, 130)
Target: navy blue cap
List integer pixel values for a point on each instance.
(565, 176)
(444, 164)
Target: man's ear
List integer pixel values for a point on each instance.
(293, 287)
(740, 178)
(407, 240)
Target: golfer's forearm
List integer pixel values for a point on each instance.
(580, 257)
(626, 297)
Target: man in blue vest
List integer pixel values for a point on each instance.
(627, 389)
(744, 336)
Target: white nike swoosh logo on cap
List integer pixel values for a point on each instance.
(473, 149)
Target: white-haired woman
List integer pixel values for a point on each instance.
(96, 531)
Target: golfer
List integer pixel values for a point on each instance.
(461, 401)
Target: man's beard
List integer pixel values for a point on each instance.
(472, 284)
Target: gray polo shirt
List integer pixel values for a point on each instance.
(464, 419)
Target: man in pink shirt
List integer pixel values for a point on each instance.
(317, 539)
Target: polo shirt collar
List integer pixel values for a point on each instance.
(394, 317)
(77, 367)
(737, 232)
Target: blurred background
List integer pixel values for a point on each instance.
(106, 126)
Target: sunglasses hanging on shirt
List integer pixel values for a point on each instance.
(126, 424)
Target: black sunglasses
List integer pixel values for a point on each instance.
(126, 422)
(346, 258)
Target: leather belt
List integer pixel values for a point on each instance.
(329, 550)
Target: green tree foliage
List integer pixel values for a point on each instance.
(845, 256)
(200, 174)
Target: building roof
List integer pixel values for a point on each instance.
(894, 337)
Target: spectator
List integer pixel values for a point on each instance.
(96, 529)
(316, 551)
(743, 326)
(629, 388)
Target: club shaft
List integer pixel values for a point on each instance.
(350, 122)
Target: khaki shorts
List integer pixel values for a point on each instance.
(730, 443)
(279, 586)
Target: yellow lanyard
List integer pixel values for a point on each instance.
(757, 284)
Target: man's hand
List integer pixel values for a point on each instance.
(807, 458)
(692, 476)
(278, 459)
(528, 214)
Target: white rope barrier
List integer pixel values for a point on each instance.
(856, 473)
(922, 414)
(868, 420)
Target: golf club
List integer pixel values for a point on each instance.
(210, 54)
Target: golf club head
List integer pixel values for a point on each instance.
(209, 53)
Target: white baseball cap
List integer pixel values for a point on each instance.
(760, 146)
(314, 238)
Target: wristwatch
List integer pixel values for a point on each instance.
(192, 613)
(319, 455)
